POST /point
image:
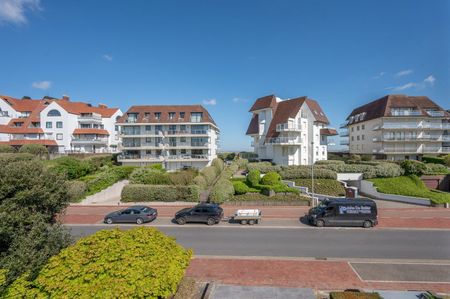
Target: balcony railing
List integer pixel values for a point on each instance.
(400, 126)
(344, 133)
(86, 140)
(344, 142)
(139, 157)
(199, 144)
(187, 157)
(170, 132)
(436, 113)
(199, 132)
(288, 127)
(131, 145)
(406, 113)
(284, 140)
(90, 118)
(446, 149)
(445, 138)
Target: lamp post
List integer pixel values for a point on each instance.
(312, 174)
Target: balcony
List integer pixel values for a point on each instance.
(123, 158)
(344, 133)
(446, 149)
(199, 132)
(86, 140)
(436, 113)
(445, 138)
(343, 125)
(94, 118)
(188, 157)
(288, 127)
(400, 126)
(377, 139)
(344, 142)
(200, 144)
(177, 132)
(406, 113)
(284, 141)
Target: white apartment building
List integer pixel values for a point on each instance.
(176, 136)
(289, 132)
(61, 125)
(398, 127)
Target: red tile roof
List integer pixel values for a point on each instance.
(19, 142)
(80, 107)
(328, 132)
(269, 101)
(253, 127)
(285, 110)
(382, 107)
(317, 111)
(164, 110)
(7, 129)
(90, 131)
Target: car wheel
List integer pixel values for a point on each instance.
(211, 221)
(243, 222)
(109, 221)
(320, 223)
(139, 221)
(251, 222)
(367, 224)
(181, 221)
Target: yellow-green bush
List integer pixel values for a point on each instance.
(137, 263)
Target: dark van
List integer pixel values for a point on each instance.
(344, 212)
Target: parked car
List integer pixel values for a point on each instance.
(133, 214)
(203, 213)
(344, 212)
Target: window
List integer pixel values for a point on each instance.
(181, 114)
(353, 129)
(148, 152)
(353, 139)
(183, 151)
(53, 112)
(362, 137)
(158, 115)
(183, 128)
(357, 137)
(172, 115)
(158, 128)
(148, 139)
(59, 124)
(363, 127)
(59, 136)
(85, 126)
(48, 125)
(182, 139)
(147, 115)
(116, 128)
(148, 128)
(196, 117)
(357, 128)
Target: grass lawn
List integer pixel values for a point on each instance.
(323, 186)
(409, 186)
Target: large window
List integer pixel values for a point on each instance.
(59, 124)
(53, 112)
(196, 117)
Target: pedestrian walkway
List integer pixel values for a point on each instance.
(222, 291)
(108, 196)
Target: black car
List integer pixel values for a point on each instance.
(203, 213)
(344, 212)
(133, 214)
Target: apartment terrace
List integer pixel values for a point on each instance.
(284, 141)
(288, 127)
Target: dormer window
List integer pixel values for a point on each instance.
(182, 115)
(147, 115)
(196, 117)
(158, 115)
(172, 115)
(132, 117)
(18, 124)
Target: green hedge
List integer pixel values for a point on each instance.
(137, 263)
(200, 181)
(263, 167)
(276, 197)
(102, 180)
(76, 190)
(447, 160)
(368, 169)
(327, 162)
(34, 149)
(210, 174)
(218, 165)
(432, 169)
(143, 193)
(6, 158)
(71, 167)
(323, 186)
(354, 295)
(5, 148)
(253, 177)
(434, 160)
(304, 172)
(221, 191)
(271, 178)
(413, 167)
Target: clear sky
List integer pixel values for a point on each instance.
(225, 54)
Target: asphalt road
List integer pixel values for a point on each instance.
(311, 242)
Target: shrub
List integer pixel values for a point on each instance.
(6, 158)
(5, 148)
(138, 193)
(253, 177)
(304, 172)
(209, 173)
(200, 181)
(323, 186)
(157, 166)
(104, 179)
(434, 160)
(447, 160)
(218, 165)
(241, 163)
(262, 197)
(263, 167)
(240, 187)
(278, 188)
(221, 191)
(71, 167)
(413, 167)
(76, 190)
(326, 162)
(432, 168)
(34, 149)
(149, 176)
(95, 268)
(185, 177)
(354, 295)
(271, 178)
(387, 170)
(99, 161)
(355, 157)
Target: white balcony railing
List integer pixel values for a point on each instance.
(187, 157)
(90, 118)
(288, 127)
(87, 140)
(406, 113)
(285, 140)
(139, 157)
(436, 113)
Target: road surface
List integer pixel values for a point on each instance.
(309, 242)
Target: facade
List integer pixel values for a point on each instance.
(289, 132)
(176, 136)
(398, 127)
(61, 125)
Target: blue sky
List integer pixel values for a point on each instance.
(226, 53)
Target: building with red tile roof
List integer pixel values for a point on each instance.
(59, 124)
(398, 127)
(289, 132)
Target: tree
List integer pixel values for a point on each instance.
(34, 149)
(137, 263)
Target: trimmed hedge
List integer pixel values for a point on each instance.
(368, 170)
(221, 191)
(447, 160)
(143, 193)
(354, 295)
(102, 180)
(253, 177)
(271, 178)
(434, 160)
(34, 149)
(413, 167)
(6, 148)
(200, 181)
(432, 168)
(263, 167)
(304, 172)
(137, 263)
(327, 162)
(323, 186)
(6, 158)
(276, 197)
(149, 176)
(240, 187)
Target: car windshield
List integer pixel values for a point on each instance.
(146, 210)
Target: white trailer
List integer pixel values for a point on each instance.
(247, 216)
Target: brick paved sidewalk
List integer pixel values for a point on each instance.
(319, 275)
(401, 218)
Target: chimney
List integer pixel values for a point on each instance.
(26, 98)
(66, 97)
(102, 106)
